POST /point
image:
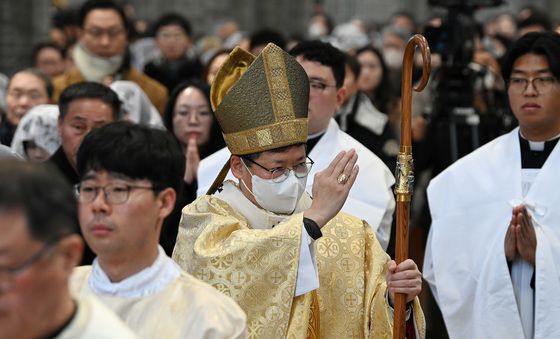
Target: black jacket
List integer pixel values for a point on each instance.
(172, 74)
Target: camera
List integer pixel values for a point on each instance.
(454, 39)
(456, 123)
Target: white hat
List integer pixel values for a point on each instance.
(136, 104)
(39, 124)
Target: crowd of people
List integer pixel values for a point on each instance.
(158, 183)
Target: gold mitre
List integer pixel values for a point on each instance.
(261, 102)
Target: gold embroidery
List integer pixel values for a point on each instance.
(261, 138)
(261, 103)
(278, 86)
(261, 276)
(314, 327)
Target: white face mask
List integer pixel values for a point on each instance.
(316, 31)
(95, 68)
(393, 58)
(277, 197)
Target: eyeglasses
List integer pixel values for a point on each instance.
(280, 174)
(318, 85)
(97, 33)
(114, 193)
(33, 95)
(541, 84)
(8, 274)
(170, 35)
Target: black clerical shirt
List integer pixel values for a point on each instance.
(532, 158)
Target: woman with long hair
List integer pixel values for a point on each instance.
(188, 115)
(374, 79)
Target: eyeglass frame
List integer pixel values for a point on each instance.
(33, 94)
(106, 195)
(321, 86)
(11, 273)
(552, 79)
(171, 35)
(112, 33)
(271, 171)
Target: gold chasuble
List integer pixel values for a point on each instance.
(253, 255)
(258, 268)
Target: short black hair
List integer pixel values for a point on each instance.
(64, 18)
(39, 74)
(92, 5)
(138, 152)
(42, 194)
(266, 35)
(44, 45)
(89, 90)
(325, 54)
(353, 65)
(537, 18)
(546, 44)
(172, 19)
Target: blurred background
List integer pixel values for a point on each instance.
(463, 107)
(26, 22)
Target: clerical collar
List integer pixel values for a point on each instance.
(312, 140)
(150, 280)
(535, 153)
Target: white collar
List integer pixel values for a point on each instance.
(537, 145)
(257, 218)
(369, 117)
(322, 153)
(150, 280)
(366, 114)
(313, 136)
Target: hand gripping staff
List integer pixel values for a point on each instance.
(404, 173)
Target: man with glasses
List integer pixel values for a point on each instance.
(493, 253)
(129, 176)
(26, 89)
(102, 55)
(297, 267)
(39, 247)
(371, 197)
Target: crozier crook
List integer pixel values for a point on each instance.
(404, 173)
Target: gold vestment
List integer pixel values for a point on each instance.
(258, 269)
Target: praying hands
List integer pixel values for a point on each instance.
(521, 238)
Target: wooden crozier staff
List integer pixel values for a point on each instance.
(404, 171)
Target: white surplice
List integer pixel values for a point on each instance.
(162, 301)
(371, 197)
(465, 265)
(93, 320)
